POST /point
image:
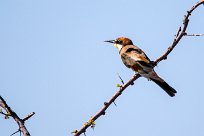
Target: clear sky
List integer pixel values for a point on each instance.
(54, 62)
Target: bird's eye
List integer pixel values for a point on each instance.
(119, 42)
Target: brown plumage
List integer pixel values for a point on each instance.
(133, 57)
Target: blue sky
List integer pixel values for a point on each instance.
(54, 62)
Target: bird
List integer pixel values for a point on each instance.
(135, 58)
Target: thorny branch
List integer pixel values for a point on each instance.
(180, 33)
(18, 120)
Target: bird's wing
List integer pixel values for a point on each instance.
(136, 54)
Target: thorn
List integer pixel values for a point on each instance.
(103, 113)
(92, 127)
(16, 132)
(105, 103)
(189, 12)
(178, 32)
(120, 79)
(74, 132)
(194, 34)
(115, 103)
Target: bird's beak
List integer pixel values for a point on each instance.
(110, 41)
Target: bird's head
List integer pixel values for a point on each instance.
(120, 42)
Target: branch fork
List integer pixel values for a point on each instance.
(19, 121)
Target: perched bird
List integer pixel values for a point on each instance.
(133, 57)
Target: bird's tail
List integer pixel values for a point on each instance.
(167, 88)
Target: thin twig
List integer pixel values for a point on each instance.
(120, 78)
(194, 35)
(115, 104)
(15, 132)
(180, 33)
(28, 116)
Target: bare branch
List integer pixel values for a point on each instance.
(18, 120)
(180, 33)
(107, 104)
